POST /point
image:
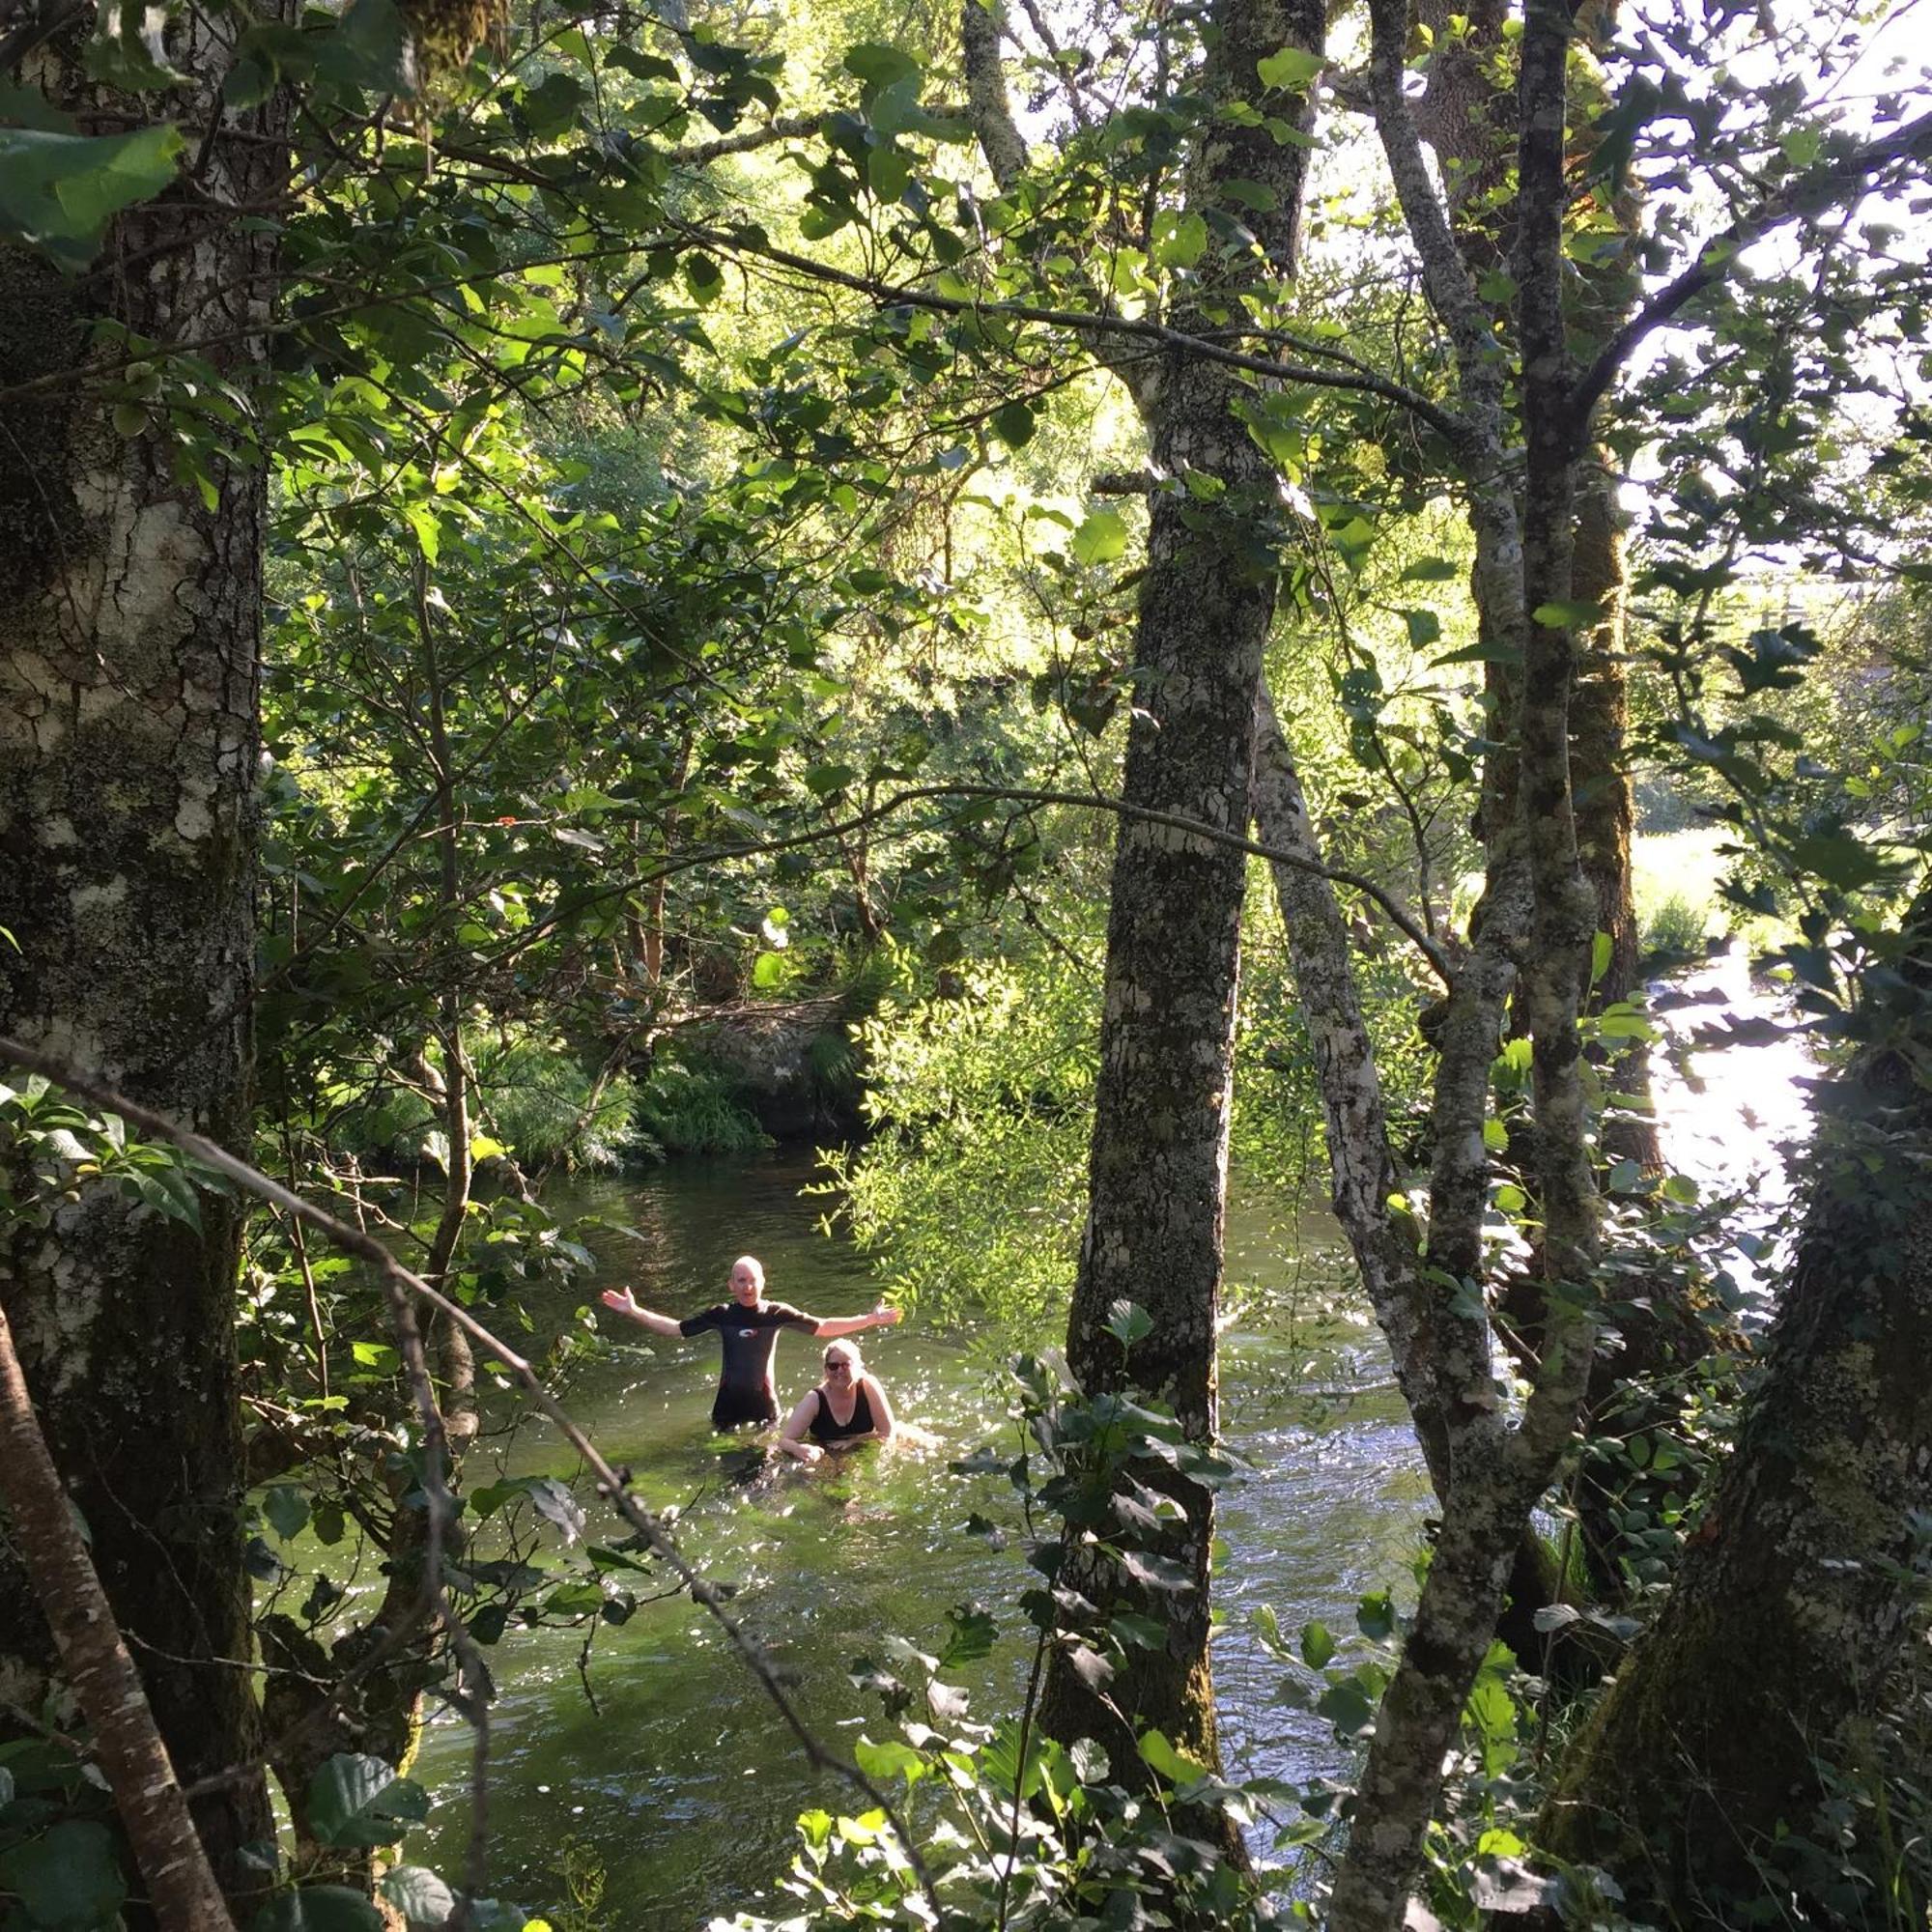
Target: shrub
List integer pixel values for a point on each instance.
(693, 1110)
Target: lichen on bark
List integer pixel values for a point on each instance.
(129, 635)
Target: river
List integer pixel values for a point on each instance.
(678, 1789)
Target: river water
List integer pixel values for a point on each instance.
(679, 1787)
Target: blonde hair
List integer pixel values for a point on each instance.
(852, 1354)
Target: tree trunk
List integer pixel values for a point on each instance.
(1159, 1173)
(1497, 1470)
(1795, 1598)
(129, 630)
(1159, 1161)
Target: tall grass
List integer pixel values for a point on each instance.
(693, 1110)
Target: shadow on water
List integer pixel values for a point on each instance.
(681, 1785)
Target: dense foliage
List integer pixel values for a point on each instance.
(695, 628)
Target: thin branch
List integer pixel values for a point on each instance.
(1817, 188)
(1392, 909)
(180, 1885)
(1132, 328)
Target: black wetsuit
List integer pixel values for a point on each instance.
(751, 1336)
(825, 1427)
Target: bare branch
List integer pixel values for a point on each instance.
(153, 1807)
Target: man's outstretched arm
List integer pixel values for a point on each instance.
(624, 1302)
(833, 1327)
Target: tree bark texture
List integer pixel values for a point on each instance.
(130, 631)
(1537, 916)
(1797, 1596)
(1159, 1166)
(1361, 1168)
(1158, 1169)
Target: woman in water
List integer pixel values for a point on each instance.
(847, 1408)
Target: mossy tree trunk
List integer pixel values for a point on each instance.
(1796, 1599)
(1157, 1186)
(130, 610)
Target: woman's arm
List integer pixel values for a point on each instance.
(883, 1423)
(791, 1439)
(835, 1325)
(624, 1302)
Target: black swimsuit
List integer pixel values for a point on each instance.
(825, 1427)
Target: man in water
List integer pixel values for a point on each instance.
(747, 1325)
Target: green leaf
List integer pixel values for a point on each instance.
(1346, 1706)
(973, 1634)
(355, 1800)
(67, 1879)
(318, 1908)
(1179, 240)
(1600, 947)
(703, 277)
(1567, 617)
(553, 1500)
(1374, 1616)
(1101, 537)
(1802, 145)
(1431, 570)
(1128, 1322)
(1013, 424)
(880, 67)
(59, 191)
(1156, 1572)
(888, 170)
(1424, 628)
(1317, 1645)
(370, 49)
(1292, 68)
(889, 1760)
(418, 1895)
(287, 1508)
(129, 50)
(1143, 1633)
(1170, 1762)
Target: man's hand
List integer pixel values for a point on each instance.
(886, 1317)
(622, 1300)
